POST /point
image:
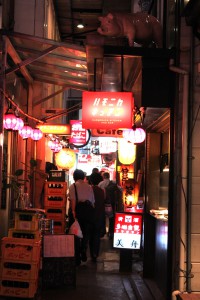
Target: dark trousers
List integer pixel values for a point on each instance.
(86, 229)
(95, 239)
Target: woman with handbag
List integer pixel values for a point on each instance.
(82, 205)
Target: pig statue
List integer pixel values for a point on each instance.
(137, 27)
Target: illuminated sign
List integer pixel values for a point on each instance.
(55, 128)
(102, 110)
(107, 132)
(78, 134)
(127, 231)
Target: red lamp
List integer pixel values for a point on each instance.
(25, 132)
(9, 120)
(36, 134)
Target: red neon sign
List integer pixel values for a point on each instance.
(78, 134)
(127, 231)
(101, 110)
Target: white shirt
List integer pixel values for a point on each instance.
(103, 184)
(84, 192)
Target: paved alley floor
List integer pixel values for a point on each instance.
(101, 280)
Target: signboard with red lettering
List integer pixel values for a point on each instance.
(127, 231)
(103, 110)
(78, 134)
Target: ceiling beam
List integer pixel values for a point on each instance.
(17, 60)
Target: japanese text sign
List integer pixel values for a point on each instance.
(127, 231)
(101, 110)
(78, 134)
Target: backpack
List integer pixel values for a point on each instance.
(113, 194)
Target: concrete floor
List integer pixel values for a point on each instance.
(103, 280)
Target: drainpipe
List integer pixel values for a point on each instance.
(184, 214)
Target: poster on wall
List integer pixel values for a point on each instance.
(127, 231)
(102, 110)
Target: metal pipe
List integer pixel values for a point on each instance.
(189, 173)
(183, 171)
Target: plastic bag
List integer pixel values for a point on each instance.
(76, 229)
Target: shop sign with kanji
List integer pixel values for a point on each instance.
(102, 110)
(127, 231)
(78, 133)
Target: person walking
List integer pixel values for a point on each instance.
(99, 216)
(113, 194)
(82, 202)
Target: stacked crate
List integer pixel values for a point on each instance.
(55, 204)
(21, 254)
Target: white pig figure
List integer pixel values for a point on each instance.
(137, 27)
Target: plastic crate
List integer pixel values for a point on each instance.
(58, 272)
(59, 227)
(56, 214)
(18, 288)
(24, 234)
(19, 270)
(20, 249)
(55, 188)
(27, 215)
(27, 225)
(55, 201)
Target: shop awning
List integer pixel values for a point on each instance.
(47, 61)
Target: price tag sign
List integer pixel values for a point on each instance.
(127, 231)
(102, 110)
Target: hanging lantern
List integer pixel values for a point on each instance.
(65, 159)
(36, 134)
(57, 148)
(19, 125)
(53, 144)
(25, 132)
(9, 120)
(130, 193)
(135, 135)
(126, 152)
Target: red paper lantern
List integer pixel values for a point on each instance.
(9, 121)
(57, 148)
(53, 144)
(36, 134)
(19, 125)
(135, 135)
(25, 132)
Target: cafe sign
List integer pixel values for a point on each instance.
(102, 110)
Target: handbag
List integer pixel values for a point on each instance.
(84, 210)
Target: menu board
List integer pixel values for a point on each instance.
(58, 245)
(127, 231)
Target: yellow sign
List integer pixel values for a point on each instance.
(55, 128)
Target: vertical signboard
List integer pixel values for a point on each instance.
(127, 231)
(78, 134)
